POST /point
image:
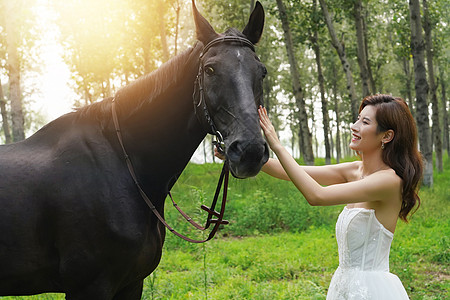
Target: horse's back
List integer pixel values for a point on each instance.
(63, 203)
(32, 169)
(28, 257)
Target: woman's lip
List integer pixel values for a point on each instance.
(355, 138)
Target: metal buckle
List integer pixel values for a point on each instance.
(219, 143)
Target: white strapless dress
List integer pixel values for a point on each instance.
(363, 272)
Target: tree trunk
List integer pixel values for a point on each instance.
(446, 139)
(361, 48)
(204, 151)
(4, 113)
(212, 149)
(15, 95)
(314, 134)
(408, 84)
(437, 141)
(325, 117)
(177, 25)
(373, 88)
(342, 56)
(337, 112)
(87, 94)
(300, 144)
(346, 141)
(421, 87)
(306, 138)
(162, 29)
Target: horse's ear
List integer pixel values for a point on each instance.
(205, 32)
(254, 28)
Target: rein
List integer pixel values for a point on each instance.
(211, 211)
(199, 100)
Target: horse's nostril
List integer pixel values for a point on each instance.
(247, 157)
(248, 153)
(234, 151)
(253, 153)
(266, 153)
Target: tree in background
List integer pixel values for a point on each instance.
(107, 44)
(92, 44)
(4, 113)
(421, 88)
(399, 35)
(337, 110)
(304, 132)
(445, 117)
(339, 46)
(17, 61)
(362, 50)
(108, 50)
(436, 129)
(11, 25)
(315, 25)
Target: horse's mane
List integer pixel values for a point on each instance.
(144, 89)
(148, 87)
(152, 85)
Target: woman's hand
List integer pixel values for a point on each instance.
(218, 154)
(269, 130)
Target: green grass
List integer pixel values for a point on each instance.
(278, 247)
(263, 267)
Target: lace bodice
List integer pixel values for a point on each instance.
(363, 272)
(363, 242)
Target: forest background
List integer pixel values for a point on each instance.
(322, 58)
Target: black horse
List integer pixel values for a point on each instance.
(71, 217)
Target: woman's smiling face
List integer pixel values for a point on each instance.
(364, 131)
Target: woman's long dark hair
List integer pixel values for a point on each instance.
(402, 153)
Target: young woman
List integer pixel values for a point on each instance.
(378, 190)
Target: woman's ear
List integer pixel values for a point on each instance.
(388, 136)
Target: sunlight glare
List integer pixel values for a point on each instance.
(57, 96)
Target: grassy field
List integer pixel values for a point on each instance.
(278, 247)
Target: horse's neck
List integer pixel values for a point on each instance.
(164, 133)
(166, 141)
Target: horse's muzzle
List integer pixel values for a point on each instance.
(246, 158)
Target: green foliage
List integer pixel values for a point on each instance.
(280, 262)
(278, 247)
(255, 206)
(270, 267)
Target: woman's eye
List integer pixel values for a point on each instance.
(209, 70)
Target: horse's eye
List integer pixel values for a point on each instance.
(209, 70)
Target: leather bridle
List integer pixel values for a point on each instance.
(200, 104)
(200, 101)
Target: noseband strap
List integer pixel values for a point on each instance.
(200, 105)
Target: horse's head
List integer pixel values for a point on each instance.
(229, 91)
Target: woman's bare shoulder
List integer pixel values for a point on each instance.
(388, 178)
(351, 170)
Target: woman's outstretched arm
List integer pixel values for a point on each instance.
(324, 175)
(377, 187)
